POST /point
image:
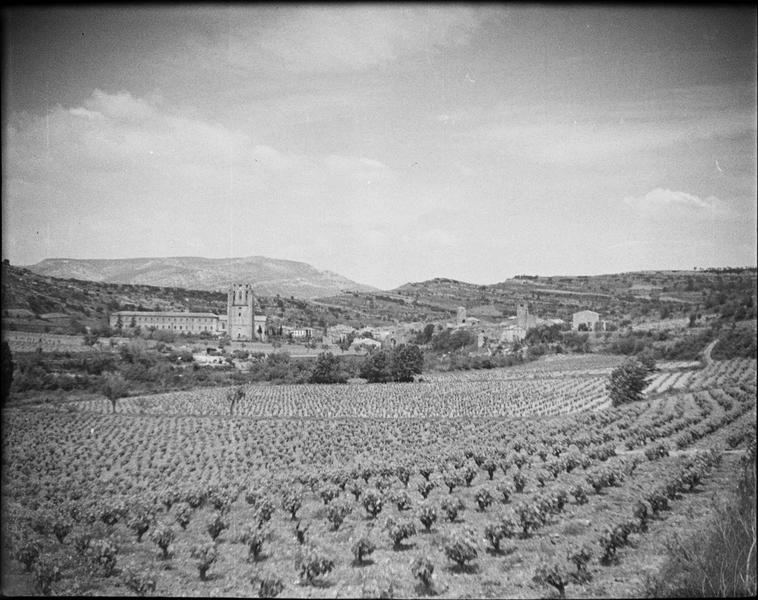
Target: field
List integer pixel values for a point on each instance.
(535, 455)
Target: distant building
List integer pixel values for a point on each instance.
(587, 318)
(240, 321)
(513, 333)
(525, 320)
(460, 316)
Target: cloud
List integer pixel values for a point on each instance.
(359, 37)
(659, 201)
(141, 167)
(567, 134)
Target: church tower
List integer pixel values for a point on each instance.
(240, 312)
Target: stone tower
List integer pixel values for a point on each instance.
(460, 316)
(240, 312)
(523, 316)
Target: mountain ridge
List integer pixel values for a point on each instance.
(270, 276)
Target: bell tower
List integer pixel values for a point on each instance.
(240, 312)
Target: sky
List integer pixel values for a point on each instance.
(388, 143)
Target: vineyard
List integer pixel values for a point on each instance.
(498, 483)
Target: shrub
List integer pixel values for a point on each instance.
(362, 548)
(423, 569)
(554, 573)
(505, 491)
(542, 476)
(402, 500)
(139, 581)
(216, 525)
(291, 502)
(162, 536)
(264, 511)
(356, 490)
(81, 543)
(425, 487)
(300, 533)
(28, 554)
(483, 499)
(529, 517)
(461, 549)
(426, 471)
(452, 480)
(254, 539)
(183, 514)
(337, 512)
(642, 513)
(398, 532)
(46, 572)
(103, 554)
(372, 502)
(428, 516)
(205, 554)
(519, 481)
(329, 492)
(269, 586)
(312, 564)
(452, 508)
(580, 556)
(139, 523)
(403, 474)
(61, 528)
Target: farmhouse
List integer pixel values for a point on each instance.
(240, 321)
(586, 319)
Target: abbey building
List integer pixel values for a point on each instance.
(240, 322)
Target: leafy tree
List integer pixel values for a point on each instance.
(7, 370)
(627, 382)
(407, 360)
(376, 367)
(327, 370)
(114, 387)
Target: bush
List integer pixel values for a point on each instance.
(254, 539)
(337, 512)
(139, 523)
(312, 564)
(291, 502)
(452, 507)
(483, 499)
(428, 516)
(627, 382)
(205, 554)
(423, 569)
(495, 533)
(183, 514)
(372, 502)
(162, 536)
(362, 548)
(216, 525)
(398, 532)
(139, 581)
(554, 573)
(269, 586)
(425, 487)
(28, 554)
(461, 549)
(103, 554)
(46, 572)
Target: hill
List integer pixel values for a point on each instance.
(32, 302)
(271, 276)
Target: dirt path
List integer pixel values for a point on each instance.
(707, 352)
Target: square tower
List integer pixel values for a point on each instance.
(240, 312)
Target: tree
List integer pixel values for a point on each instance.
(345, 342)
(407, 361)
(114, 387)
(627, 382)
(7, 370)
(234, 395)
(327, 370)
(376, 367)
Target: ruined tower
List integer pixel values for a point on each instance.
(240, 312)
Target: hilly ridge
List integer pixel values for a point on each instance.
(271, 276)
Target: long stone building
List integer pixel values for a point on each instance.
(240, 321)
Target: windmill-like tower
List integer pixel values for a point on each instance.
(240, 312)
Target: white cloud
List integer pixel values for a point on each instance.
(358, 37)
(661, 200)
